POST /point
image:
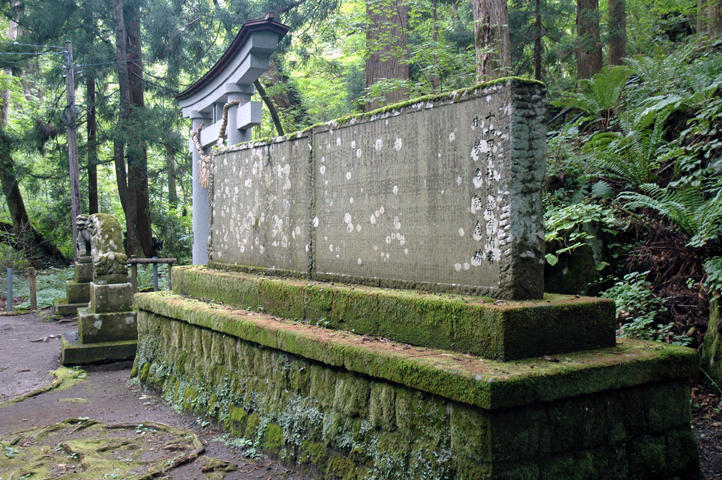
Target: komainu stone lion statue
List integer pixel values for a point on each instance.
(84, 242)
(106, 247)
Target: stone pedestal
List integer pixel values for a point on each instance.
(107, 328)
(77, 290)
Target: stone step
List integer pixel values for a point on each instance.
(501, 330)
(456, 376)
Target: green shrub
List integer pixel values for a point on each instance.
(638, 309)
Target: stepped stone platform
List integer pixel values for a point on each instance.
(353, 405)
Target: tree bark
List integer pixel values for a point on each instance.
(92, 145)
(170, 171)
(701, 16)
(137, 153)
(589, 47)
(538, 33)
(714, 17)
(617, 31)
(133, 180)
(491, 38)
(386, 39)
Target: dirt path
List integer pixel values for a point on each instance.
(105, 396)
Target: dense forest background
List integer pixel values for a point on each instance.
(634, 188)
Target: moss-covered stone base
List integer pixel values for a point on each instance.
(106, 327)
(77, 292)
(347, 421)
(62, 308)
(75, 353)
(712, 346)
(501, 330)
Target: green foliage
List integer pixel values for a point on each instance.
(11, 258)
(713, 272)
(599, 95)
(686, 208)
(638, 308)
(566, 227)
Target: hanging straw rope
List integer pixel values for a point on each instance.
(204, 160)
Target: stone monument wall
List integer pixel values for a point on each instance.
(439, 193)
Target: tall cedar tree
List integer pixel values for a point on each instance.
(386, 39)
(131, 163)
(589, 47)
(491, 38)
(617, 31)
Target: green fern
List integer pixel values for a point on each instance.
(686, 208)
(631, 158)
(599, 95)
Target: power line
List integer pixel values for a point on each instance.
(32, 53)
(32, 45)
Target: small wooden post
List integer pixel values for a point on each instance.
(9, 299)
(155, 275)
(134, 276)
(170, 277)
(33, 290)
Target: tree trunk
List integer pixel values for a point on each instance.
(92, 146)
(170, 171)
(714, 17)
(701, 16)
(386, 39)
(435, 79)
(617, 32)
(133, 180)
(137, 154)
(589, 47)
(491, 38)
(538, 33)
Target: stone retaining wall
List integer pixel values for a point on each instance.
(373, 198)
(620, 413)
(350, 426)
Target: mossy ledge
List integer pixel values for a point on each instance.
(504, 330)
(339, 416)
(456, 376)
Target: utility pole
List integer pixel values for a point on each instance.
(72, 142)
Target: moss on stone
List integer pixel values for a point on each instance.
(429, 437)
(313, 453)
(468, 379)
(465, 323)
(273, 438)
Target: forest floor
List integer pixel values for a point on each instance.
(104, 404)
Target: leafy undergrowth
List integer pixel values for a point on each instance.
(635, 177)
(50, 284)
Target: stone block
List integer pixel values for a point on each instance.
(84, 270)
(73, 352)
(105, 327)
(61, 307)
(112, 297)
(77, 292)
(472, 324)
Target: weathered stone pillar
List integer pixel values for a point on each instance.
(201, 214)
